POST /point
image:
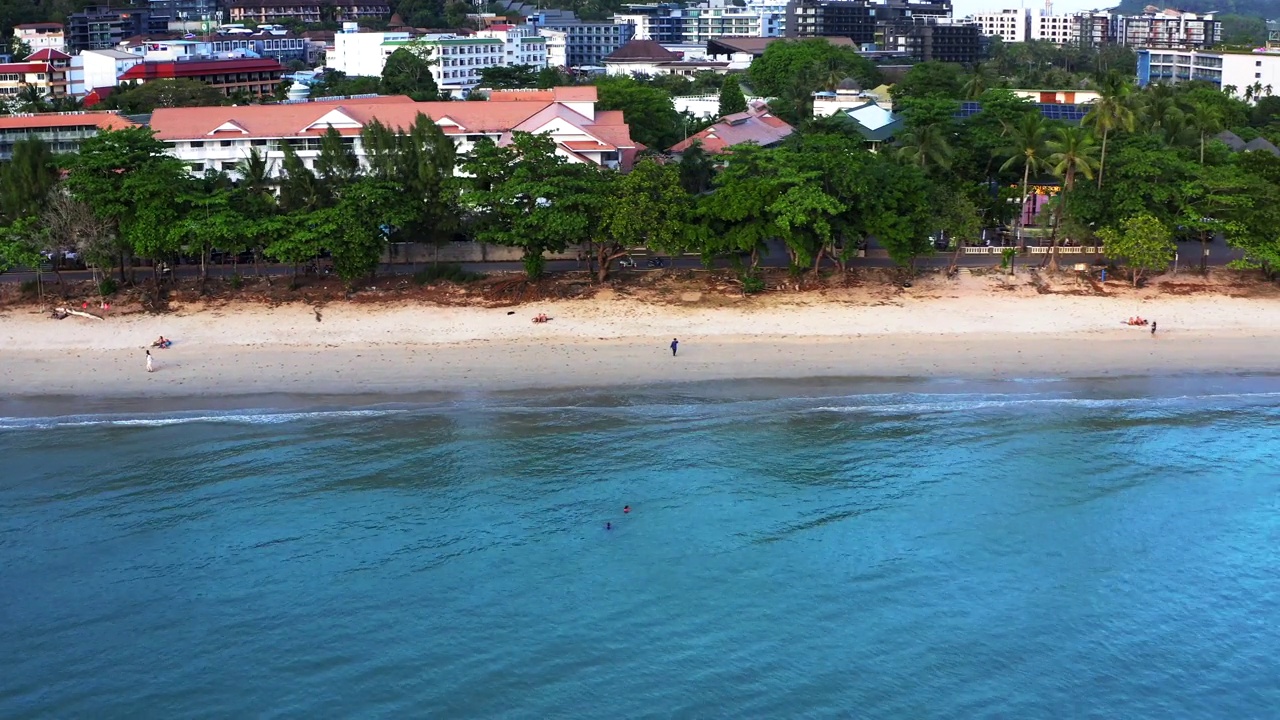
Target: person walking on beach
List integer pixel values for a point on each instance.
(1153, 327)
(674, 344)
(150, 367)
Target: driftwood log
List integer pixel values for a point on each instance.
(79, 313)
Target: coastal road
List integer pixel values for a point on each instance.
(1189, 254)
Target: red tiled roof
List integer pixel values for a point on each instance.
(194, 68)
(47, 54)
(104, 121)
(24, 67)
(38, 26)
(588, 145)
(760, 128)
(577, 93)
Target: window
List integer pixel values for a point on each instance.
(197, 167)
(1257, 63)
(197, 143)
(1257, 76)
(224, 143)
(258, 143)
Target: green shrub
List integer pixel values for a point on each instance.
(752, 284)
(237, 282)
(107, 287)
(450, 272)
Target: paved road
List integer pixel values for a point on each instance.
(1189, 255)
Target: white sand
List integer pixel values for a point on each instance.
(356, 348)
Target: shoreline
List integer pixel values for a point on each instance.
(459, 369)
(977, 332)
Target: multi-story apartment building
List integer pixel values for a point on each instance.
(586, 43)
(101, 28)
(310, 12)
(1245, 75)
(249, 75)
(557, 48)
(1057, 29)
(1168, 29)
(924, 29)
(854, 19)
(456, 60)
(276, 45)
(218, 138)
(61, 132)
(929, 38)
(41, 36)
(45, 70)
(186, 14)
(1095, 29)
(94, 69)
(672, 24)
(1010, 26)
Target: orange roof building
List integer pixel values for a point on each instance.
(218, 138)
(62, 132)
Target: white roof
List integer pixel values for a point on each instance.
(871, 116)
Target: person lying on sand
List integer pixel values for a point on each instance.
(541, 318)
(161, 343)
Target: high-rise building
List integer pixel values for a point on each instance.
(586, 43)
(1010, 26)
(102, 28)
(1057, 29)
(924, 29)
(1168, 29)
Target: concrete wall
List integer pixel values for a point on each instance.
(462, 252)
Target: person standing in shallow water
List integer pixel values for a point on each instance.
(674, 344)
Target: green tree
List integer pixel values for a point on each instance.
(524, 195)
(647, 207)
(1110, 112)
(775, 72)
(25, 181)
(927, 147)
(509, 77)
(930, 79)
(129, 179)
(408, 72)
(648, 110)
(900, 211)
(1142, 242)
(134, 99)
(731, 98)
(1027, 149)
(1071, 153)
(337, 165)
(1207, 121)
(697, 169)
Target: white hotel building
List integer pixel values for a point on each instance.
(458, 59)
(1225, 70)
(219, 138)
(1008, 25)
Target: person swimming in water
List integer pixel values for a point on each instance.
(626, 509)
(608, 526)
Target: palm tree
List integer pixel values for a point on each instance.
(1266, 89)
(1206, 120)
(1248, 93)
(1257, 89)
(1026, 148)
(1160, 111)
(926, 146)
(1230, 90)
(1110, 111)
(30, 99)
(1072, 151)
(979, 82)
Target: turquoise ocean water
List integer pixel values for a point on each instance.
(906, 549)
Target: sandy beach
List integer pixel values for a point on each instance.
(973, 331)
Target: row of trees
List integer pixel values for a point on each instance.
(1150, 154)
(821, 195)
